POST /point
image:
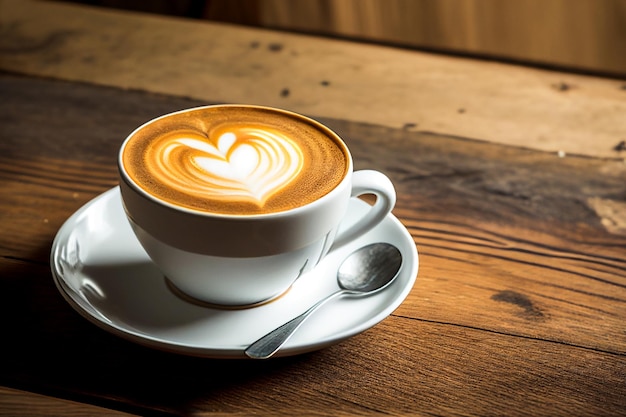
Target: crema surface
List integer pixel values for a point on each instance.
(235, 160)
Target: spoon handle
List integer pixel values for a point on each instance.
(269, 344)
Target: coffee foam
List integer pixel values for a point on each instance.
(235, 160)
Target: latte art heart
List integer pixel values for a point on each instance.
(247, 164)
(234, 160)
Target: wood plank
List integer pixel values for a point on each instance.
(518, 306)
(585, 34)
(500, 103)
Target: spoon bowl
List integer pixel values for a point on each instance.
(370, 268)
(364, 272)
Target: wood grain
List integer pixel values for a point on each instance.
(485, 100)
(584, 34)
(518, 309)
(15, 403)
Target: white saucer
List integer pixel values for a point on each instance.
(102, 271)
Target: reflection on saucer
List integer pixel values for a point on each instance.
(189, 299)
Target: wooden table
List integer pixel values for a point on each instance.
(511, 180)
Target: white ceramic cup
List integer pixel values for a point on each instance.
(245, 260)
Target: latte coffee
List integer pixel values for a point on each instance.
(235, 160)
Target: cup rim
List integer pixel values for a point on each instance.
(196, 212)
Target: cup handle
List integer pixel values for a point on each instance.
(369, 182)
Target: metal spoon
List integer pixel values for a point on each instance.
(367, 270)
